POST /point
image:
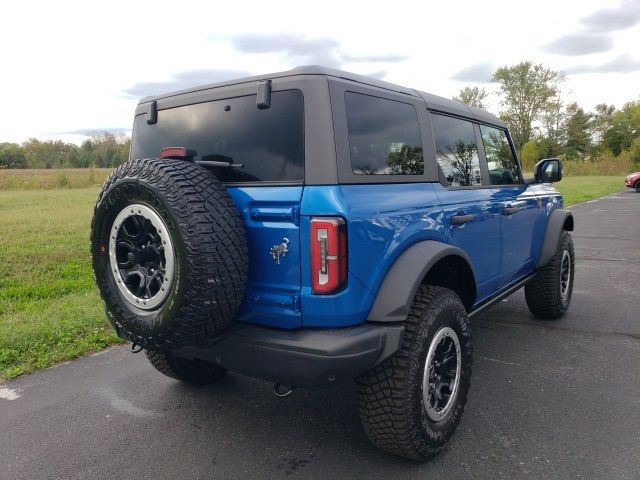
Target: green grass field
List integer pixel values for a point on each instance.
(49, 307)
(47, 179)
(580, 189)
(50, 310)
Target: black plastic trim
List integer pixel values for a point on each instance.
(555, 226)
(505, 293)
(401, 282)
(306, 357)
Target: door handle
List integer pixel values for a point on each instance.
(510, 210)
(460, 219)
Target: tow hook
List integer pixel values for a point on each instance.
(282, 391)
(135, 348)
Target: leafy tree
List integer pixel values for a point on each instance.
(460, 160)
(625, 127)
(47, 154)
(473, 96)
(634, 151)
(577, 131)
(550, 141)
(406, 161)
(12, 156)
(529, 155)
(528, 91)
(601, 122)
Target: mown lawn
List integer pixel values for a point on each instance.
(580, 189)
(49, 307)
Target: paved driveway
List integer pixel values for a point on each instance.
(548, 399)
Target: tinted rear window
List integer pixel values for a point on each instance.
(384, 136)
(456, 151)
(269, 143)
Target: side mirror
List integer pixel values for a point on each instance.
(548, 170)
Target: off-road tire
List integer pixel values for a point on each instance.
(196, 372)
(390, 395)
(543, 292)
(637, 186)
(210, 251)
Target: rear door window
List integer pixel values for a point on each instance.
(456, 151)
(503, 168)
(269, 143)
(384, 136)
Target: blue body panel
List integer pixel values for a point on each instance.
(549, 200)
(382, 221)
(479, 239)
(516, 231)
(270, 215)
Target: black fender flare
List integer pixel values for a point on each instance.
(557, 221)
(396, 293)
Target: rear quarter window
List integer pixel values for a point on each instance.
(268, 142)
(384, 136)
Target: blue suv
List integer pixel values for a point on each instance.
(314, 226)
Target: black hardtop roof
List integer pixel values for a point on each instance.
(433, 102)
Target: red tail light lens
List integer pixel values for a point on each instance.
(328, 254)
(177, 152)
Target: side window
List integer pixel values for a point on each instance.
(384, 136)
(456, 150)
(503, 168)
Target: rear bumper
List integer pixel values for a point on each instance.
(306, 357)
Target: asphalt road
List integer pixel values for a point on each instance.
(548, 399)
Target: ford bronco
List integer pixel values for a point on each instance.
(314, 226)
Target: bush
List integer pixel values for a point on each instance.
(634, 153)
(602, 165)
(63, 180)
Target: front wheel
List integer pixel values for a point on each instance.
(548, 295)
(637, 187)
(411, 403)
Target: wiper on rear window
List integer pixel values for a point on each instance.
(218, 161)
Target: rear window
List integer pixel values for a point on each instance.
(269, 143)
(384, 136)
(456, 151)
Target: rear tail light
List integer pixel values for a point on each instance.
(177, 152)
(328, 254)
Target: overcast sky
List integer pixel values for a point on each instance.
(70, 68)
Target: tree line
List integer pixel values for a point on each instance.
(106, 150)
(544, 125)
(541, 122)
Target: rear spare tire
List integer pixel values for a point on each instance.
(169, 253)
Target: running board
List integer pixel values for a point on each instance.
(505, 293)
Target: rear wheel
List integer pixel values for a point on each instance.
(412, 402)
(196, 372)
(637, 187)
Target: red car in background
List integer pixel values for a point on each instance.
(633, 181)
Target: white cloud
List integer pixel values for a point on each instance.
(622, 64)
(66, 64)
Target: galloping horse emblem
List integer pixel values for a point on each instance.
(281, 250)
